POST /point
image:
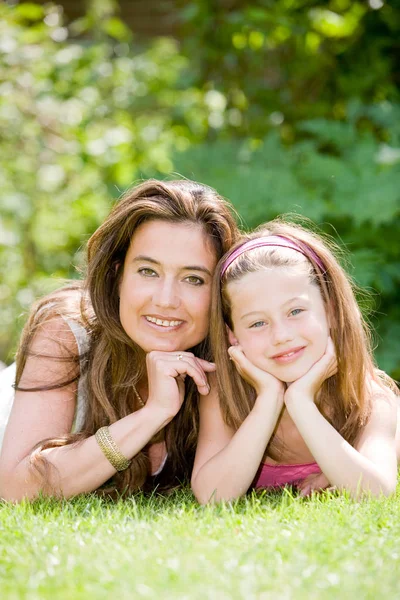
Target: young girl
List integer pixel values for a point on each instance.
(300, 401)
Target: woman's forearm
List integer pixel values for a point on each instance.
(80, 467)
(344, 466)
(229, 474)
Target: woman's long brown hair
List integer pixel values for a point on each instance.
(113, 363)
(344, 398)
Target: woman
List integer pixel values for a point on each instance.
(109, 370)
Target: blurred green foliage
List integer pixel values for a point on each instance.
(79, 122)
(283, 105)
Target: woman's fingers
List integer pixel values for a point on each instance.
(207, 366)
(189, 367)
(185, 363)
(178, 365)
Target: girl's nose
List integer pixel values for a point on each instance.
(281, 333)
(166, 295)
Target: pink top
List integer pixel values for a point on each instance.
(279, 475)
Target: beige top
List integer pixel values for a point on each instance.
(157, 452)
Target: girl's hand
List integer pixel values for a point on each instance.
(308, 385)
(260, 380)
(316, 482)
(166, 373)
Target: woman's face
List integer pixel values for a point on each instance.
(280, 321)
(165, 289)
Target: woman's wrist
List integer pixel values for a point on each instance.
(157, 416)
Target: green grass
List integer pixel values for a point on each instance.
(265, 546)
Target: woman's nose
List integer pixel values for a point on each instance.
(166, 295)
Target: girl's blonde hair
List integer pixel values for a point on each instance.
(344, 398)
(113, 364)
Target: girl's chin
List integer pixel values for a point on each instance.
(289, 378)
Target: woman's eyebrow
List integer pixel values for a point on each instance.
(142, 257)
(197, 268)
(146, 259)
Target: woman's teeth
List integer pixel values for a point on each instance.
(163, 323)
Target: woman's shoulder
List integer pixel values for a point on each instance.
(69, 301)
(53, 336)
(52, 315)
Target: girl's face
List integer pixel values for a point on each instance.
(280, 321)
(165, 289)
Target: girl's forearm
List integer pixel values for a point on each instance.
(229, 474)
(343, 465)
(81, 467)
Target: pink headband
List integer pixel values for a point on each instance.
(273, 240)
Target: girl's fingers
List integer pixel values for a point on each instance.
(237, 355)
(242, 364)
(326, 366)
(315, 482)
(305, 490)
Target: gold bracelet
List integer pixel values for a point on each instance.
(110, 449)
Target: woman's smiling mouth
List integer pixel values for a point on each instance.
(162, 322)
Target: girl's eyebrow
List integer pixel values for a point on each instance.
(253, 312)
(295, 299)
(261, 311)
(142, 257)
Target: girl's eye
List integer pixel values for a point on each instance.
(147, 272)
(194, 280)
(257, 324)
(296, 311)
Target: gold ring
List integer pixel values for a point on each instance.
(180, 357)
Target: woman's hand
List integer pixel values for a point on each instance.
(166, 373)
(309, 384)
(260, 380)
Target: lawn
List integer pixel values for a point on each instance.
(273, 545)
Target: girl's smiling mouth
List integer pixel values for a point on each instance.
(289, 355)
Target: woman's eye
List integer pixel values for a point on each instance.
(146, 272)
(296, 311)
(194, 280)
(257, 324)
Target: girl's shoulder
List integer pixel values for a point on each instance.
(384, 402)
(382, 388)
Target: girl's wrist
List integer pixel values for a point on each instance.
(267, 399)
(296, 401)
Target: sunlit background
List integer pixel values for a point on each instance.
(282, 105)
